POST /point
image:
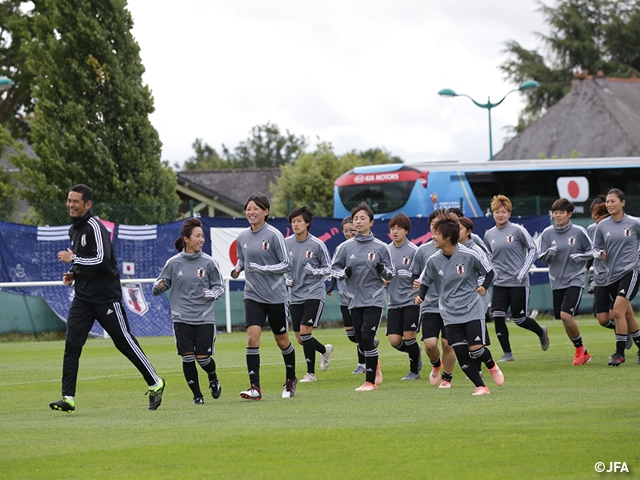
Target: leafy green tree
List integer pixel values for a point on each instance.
(8, 190)
(91, 119)
(309, 180)
(267, 147)
(205, 158)
(585, 35)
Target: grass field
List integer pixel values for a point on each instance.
(549, 420)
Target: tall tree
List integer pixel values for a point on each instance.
(8, 187)
(585, 35)
(205, 158)
(267, 147)
(91, 120)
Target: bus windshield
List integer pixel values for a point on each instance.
(382, 197)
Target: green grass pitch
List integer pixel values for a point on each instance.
(549, 420)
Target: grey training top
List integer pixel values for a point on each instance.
(400, 289)
(620, 241)
(513, 251)
(599, 267)
(567, 250)
(429, 304)
(310, 264)
(473, 245)
(264, 258)
(195, 282)
(365, 287)
(456, 280)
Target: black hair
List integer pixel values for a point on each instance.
(305, 212)
(86, 192)
(364, 207)
(562, 204)
(400, 220)
(260, 200)
(448, 226)
(187, 229)
(456, 211)
(346, 220)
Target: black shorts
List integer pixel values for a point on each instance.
(307, 313)
(405, 319)
(515, 297)
(198, 339)
(432, 326)
(346, 316)
(566, 300)
(626, 287)
(256, 314)
(602, 301)
(471, 333)
(366, 319)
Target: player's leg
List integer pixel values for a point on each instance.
(205, 349)
(431, 326)
(475, 331)
(500, 302)
(519, 309)
(625, 323)
(184, 335)
(456, 335)
(255, 318)
(370, 322)
(279, 321)
(351, 335)
(410, 328)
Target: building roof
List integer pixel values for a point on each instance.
(599, 117)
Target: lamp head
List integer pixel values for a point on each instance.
(528, 85)
(5, 83)
(447, 92)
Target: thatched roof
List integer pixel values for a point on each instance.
(599, 117)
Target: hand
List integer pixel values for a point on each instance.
(234, 273)
(481, 290)
(288, 281)
(348, 272)
(379, 268)
(65, 256)
(67, 278)
(416, 284)
(386, 282)
(418, 301)
(603, 255)
(161, 283)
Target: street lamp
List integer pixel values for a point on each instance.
(5, 83)
(528, 85)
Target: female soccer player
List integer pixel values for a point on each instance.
(310, 264)
(617, 244)
(195, 282)
(263, 256)
(365, 262)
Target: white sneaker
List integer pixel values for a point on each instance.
(289, 389)
(359, 369)
(326, 357)
(308, 377)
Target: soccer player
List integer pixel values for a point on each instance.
(566, 248)
(349, 232)
(310, 264)
(453, 271)
(430, 319)
(617, 244)
(403, 315)
(513, 251)
(196, 283)
(98, 296)
(365, 262)
(263, 255)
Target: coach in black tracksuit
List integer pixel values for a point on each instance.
(98, 297)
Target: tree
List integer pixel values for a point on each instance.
(266, 148)
(585, 35)
(309, 180)
(205, 158)
(8, 188)
(91, 119)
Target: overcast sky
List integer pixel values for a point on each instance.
(359, 74)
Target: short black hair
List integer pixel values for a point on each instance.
(456, 211)
(448, 226)
(562, 204)
(364, 207)
(400, 220)
(305, 212)
(86, 192)
(260, 200)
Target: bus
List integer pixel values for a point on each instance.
(532, 185)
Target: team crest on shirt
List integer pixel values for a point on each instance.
(460, 268)
(627, 232)
(83, 240)
(371, 256)
(510, 238)
(406, 260)
(266, 244)
(308, 253)
(572, 240)
(200, 272)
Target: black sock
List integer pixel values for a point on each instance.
(319, 346)
(361, 359)
(351, 335)
(413, 349)
(484, 356)
(191, 374)
(610, 324)
(636, 338)
(621, 341)
(577, 342)
(253, 365)
(208, 365)
(401, 347)
(289, 356)
(447, 376)
(467, 365)
(371, 361)
(309, 350)
(502, 332)
(530, 324)
(436, 363)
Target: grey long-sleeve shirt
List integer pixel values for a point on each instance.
(429, 304)
(195, 282)
(619, 239)
(310, 264)
(513, 251)
(400, 289)
(365, 287)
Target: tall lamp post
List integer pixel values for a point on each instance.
(5, 83)
(528, 85)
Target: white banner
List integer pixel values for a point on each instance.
(223, 247)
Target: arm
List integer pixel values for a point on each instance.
(531, 254)
(163, 283)
(282, 254)
(387, 270)
(216, 284)
(240, 263)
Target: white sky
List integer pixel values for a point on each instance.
(357, 73)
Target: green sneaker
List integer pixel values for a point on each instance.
(155, 395)
(63, 405)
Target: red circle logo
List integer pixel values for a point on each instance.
(574, 189)
(233, 252)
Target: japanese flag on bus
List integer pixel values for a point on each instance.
(574, 189)
(223, 247)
